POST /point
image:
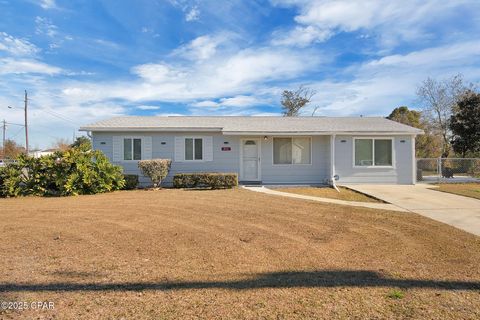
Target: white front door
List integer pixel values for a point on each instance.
(250, 162)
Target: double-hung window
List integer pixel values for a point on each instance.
(132, 149)
(292, 151)
(194, 149)
(373, 152)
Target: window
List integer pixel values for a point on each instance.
(373, 152)
(291, 150)
(132, 149)
(193, 149)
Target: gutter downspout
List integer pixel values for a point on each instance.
(332, 162)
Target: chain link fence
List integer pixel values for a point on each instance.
(444, 170)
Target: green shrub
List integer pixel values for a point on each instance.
(155, 169)
(205, 180)
(131, 181)
(71, 172)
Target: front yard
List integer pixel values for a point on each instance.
(173, 254)
(327, 192)
(471, 190)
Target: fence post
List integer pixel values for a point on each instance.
(439, 168)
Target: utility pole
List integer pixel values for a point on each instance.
(26, 123)
(3, 139)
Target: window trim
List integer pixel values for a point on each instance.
(142, 146)
(373, 166)
(203, 148)
(292, 164)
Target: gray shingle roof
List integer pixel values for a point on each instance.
(253, 124)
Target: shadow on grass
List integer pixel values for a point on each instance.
(305, 279)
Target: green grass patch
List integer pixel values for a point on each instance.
(396, 294)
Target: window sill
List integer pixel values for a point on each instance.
(291, 164)
(374, 167)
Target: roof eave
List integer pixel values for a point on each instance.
(150, 129)
(325, 133)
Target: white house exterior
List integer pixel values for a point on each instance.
(267, 150)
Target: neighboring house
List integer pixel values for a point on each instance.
(41, 153)
(268, 150)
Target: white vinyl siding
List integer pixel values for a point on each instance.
(292, 150)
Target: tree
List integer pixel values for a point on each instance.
(293, 101)
(82, 141)
(465, 125)
(61, 144)
(404, 115)
(427, 145)
(439, 100)
(12, 150)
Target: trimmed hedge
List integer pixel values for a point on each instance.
(205, 180)
(131, 181)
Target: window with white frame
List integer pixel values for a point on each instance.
(373, 152)
(132, 149)
(193, 149)
(292, 150)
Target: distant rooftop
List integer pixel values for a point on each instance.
(253, 124)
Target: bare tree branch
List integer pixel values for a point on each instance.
(293, 101)
(439, 100)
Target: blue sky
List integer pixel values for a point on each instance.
(86, 60)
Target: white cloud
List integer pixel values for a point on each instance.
(47, 4)
(236, 101)
(158, 72)
(189, 8)
(143, 107)
(222, 75)
(392, 21)
(192, 14)
(23, 66)
(206, 103)
(16, 46)
(200, 48)
(44, 26)
(377, 86)
(301, 36)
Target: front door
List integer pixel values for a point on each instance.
(250, 170)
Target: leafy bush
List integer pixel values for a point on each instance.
(155, 169)
(131, 181)
(210, 180)
(71, 172)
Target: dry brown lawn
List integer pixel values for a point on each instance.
(326, 192)
(471, 190)
(229, 254)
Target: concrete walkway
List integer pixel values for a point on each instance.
(383, 206)
(458, 211)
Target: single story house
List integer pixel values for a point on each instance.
(267, 150)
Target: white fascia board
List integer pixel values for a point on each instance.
(149, 129)
(316, 133)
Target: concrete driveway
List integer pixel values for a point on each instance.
(458, 211)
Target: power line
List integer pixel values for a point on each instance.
(55, 114)
(16, 134)
(14, 124)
